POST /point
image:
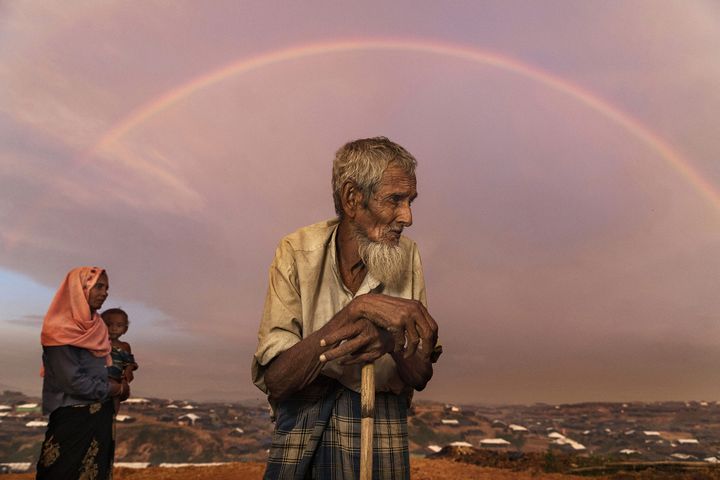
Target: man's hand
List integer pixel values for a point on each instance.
(371, 326)
(364, 343)
(407, 320)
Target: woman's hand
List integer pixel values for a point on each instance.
(119, 389)
(125, 392)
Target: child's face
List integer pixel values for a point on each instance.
(116, 325)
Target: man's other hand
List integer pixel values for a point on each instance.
(408, 321)
(364, 343)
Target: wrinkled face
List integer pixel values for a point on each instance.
(98, 293)
(388, 211)
(117, 325)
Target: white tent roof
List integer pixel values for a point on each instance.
(688, 441)
(494, 441)
(36, 424)
(132, 464)
(461, 444)
(191, 416)
(517, 428)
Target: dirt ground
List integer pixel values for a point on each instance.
(422, 469)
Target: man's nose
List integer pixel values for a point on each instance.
(405, 214)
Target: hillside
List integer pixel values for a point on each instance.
(649, 439)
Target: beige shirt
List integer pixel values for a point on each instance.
(306, 291)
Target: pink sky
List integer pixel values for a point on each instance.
(569, 255)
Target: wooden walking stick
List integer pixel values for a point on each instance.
(367, 415)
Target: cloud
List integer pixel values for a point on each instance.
(551, 236)
(28, 321)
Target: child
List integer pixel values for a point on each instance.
(123, 362)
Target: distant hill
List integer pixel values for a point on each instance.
(542, 438)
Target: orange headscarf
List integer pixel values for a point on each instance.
(68, 320)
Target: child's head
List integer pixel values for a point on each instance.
(117, 322)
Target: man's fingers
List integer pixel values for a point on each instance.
(432, 336)
(367, 357)
(340, 334)
(399, 340)
(345, 348)
(381, 321)
(412, 339)
(427, 330)
(408, 320)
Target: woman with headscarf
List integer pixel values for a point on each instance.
(77, 393)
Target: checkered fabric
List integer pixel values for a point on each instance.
(317, 436)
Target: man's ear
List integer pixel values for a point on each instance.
(351, 198)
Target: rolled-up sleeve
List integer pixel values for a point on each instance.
(281, 325)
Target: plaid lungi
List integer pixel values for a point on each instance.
(317, 436)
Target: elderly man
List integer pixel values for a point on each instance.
(342, 293)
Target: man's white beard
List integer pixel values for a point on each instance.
(385, 262)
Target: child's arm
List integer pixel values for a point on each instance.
(128, 373)
(130, 366)
(129, 350)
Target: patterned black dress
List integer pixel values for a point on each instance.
(79, 443)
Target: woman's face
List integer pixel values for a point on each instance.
(98, 293)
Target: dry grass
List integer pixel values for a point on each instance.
(422, 469)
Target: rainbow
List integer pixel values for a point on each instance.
(175, 95)
(171, 97)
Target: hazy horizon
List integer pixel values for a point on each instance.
(568, 215)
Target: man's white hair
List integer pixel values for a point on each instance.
(363, 162)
